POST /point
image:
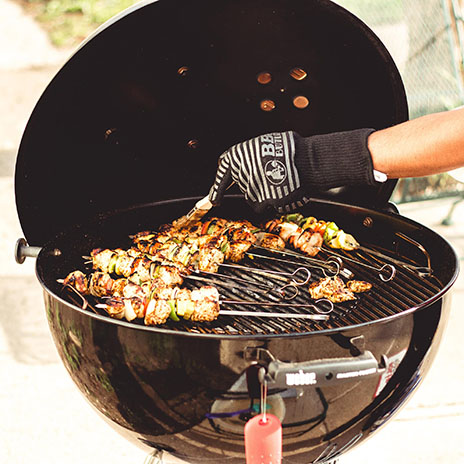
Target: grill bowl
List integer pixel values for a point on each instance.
(166, 389)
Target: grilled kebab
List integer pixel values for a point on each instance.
(149, 274)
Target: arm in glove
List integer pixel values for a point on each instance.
(283, 169)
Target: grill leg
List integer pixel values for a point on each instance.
(447, 221)
(154, 458)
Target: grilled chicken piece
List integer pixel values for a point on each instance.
(141, 266)
(168, 275)
(307, 241)
(77, 280)
(158, 309)
(118, 287)
(272, 241)
(115, 307)
(206, 301)
(358, 286)
(209, 259)
(101, 284)
(241, 231)
(331, 288)
(235, 251)
(123, 265)
(284, 229)
(103, 259)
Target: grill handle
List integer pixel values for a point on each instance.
(23, 251)
(321, 372)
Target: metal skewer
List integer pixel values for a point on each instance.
(323, 266)
(313, 317)
(277, 274)
(387, 269)
(292, 305)
(422, 271)
(282, 290)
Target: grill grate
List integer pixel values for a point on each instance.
(406, 290)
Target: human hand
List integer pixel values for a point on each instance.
(282, 169)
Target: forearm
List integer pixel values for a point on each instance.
(427, 145)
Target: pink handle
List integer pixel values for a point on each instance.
(263, 440)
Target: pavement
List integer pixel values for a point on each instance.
(43, 417)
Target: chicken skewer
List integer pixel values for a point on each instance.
(175, 304)
(333, 236)
(157, 302)
(337, 238)
(139, 269)
(149, 301)
(307, 241)
(234, 237)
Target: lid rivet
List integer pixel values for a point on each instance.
(264, 78)
(300, 102)
(193, 144)
(267, 105)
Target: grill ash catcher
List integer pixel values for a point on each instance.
(142, 111)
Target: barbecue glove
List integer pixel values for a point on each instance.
(281, 170)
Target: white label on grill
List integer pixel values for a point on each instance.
(392, 364)
(301, 378)
(348, 375)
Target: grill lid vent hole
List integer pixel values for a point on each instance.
(267, 105)
(298, 74)
(300, 102)
(264, 78)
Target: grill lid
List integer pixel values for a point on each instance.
(146, 105)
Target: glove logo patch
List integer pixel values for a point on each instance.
(275, 171)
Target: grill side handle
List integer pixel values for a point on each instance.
(321, 372)
(23, 250)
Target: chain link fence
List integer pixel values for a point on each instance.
(425, 39)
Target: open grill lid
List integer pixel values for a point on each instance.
(145, 106)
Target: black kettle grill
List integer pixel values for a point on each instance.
(126, 137)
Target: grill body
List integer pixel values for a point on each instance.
(169, 390)
(141, 113)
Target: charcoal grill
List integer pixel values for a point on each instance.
(126, 137)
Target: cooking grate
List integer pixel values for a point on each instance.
(408, 289)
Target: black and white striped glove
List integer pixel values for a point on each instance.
(282, 169)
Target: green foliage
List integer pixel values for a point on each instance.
(70, 21)
(385, 11)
